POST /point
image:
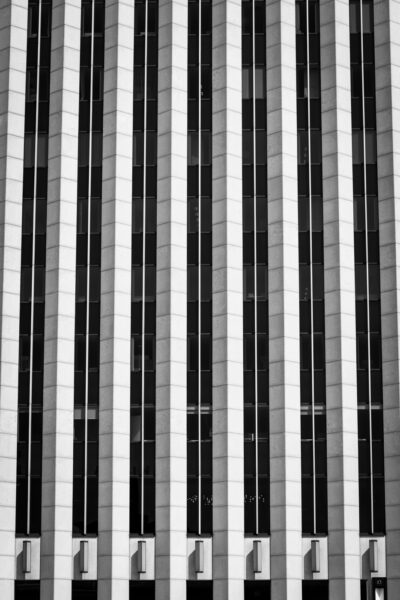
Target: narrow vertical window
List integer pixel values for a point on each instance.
(88, 266)
(311, 270)
(33, 269)
(199, 266)
(144, 245)
(367, 270)
(255, 269)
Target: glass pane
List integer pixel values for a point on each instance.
(247, 82)
(193, 148)
(302, 147)
(260, 82)
(358, 156)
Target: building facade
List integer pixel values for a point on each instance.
(200, 299)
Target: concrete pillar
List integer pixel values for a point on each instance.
(227, 281)
(340, 332)
(170, 546)
(115, 328)
(13, 33)
(285, 474)
(58, 395)
(387, 62)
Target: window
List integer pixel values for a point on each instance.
(199, 590)
(257, 590)
(311, 271)
(143, 295)
(315, 590)
(255, 272)
(27, 590)
(84, 590)
(142, 590)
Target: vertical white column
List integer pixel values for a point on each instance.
(340, 333)
(170, 546)
(228, 488)
(387, 62)
(286, 550)
(58, 396)
(115, 328)
(13, 32)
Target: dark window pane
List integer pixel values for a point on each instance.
(192, 505)
(365, 505)
(307, 503)
(249, 505)
(27, 590)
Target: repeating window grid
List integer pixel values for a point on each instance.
(33, 269)
(367, 269)
(199, 269)
(88, 269)
(255, 269)
(311, 261)
(143, 270)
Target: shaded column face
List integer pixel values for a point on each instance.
(144, 246)
(367, 270)
(88, 266)
(255, 269)
(199, 269)
(33, 268)
(311, 269)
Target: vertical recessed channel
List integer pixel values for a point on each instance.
(311, 270)
(255, 269)
(33, 268)
(88, 264)
(199, 265)
(367, 269)
(144, 245)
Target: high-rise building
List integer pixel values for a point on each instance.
(200, 299)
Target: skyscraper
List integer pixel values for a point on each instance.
(199, 232)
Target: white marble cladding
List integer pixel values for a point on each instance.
(228, 556)
(323, 572)
(115, 322)
(170, 544)
(227, 350)
(207, 572)
(34, 573)
(13, 25)
(285, 467)
(265, 572)
(387, 69)
(149, 553)
(58, 393)
(92, 546)
(365, 562)
(340, 335)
